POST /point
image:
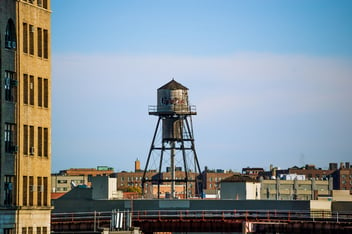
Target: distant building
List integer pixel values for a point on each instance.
(292, 177)
(64, 183)
(240, 187)
(311, 172)
(88, 172)
(252, 172)
(104, 188)
(343, 177)
(212, 178)
(294, 189)
(65, 180)
(134, 179)
(243, 187)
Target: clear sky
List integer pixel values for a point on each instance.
(272, 80)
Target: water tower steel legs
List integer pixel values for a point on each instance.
(182, 142)
(172, 168)
(150, 152)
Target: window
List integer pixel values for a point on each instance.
(45, 4)
(9, 231)
(46, 142)
(31, 39)
(9, 137)
(43, 92)
(25, 139)
(25, 88)
(10, 86)
(10, 35)
(39, 229)
(40, 41)
(45, 191)
(31, 140)
(30, 230)
(25, 190)
(24, 230)
(40, 191)
(46, 93)
(8, 188)
(46, 43)
(45, 229)
(25, 38)
(31, 90)
(40, 141)
(31, 190)
(40, 91)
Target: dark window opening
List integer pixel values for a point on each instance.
(8, 200)
(40, 141)
(40, 42)
(25, 88)
(31, 39)
(31, 90)
(10, 35)
(25, 139)
(46, 43)
(40, 91)
(10, 86)
(10, 144)
(46, 93)
(25, 38)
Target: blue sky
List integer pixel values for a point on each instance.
(271, 80)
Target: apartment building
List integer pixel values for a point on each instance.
(243, 187)
(63, 181)
(343, 177)
(25, 116)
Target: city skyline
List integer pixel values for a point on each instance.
(271, 81)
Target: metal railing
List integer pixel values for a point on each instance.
(175, 108)
(206, 215)
(260, 215)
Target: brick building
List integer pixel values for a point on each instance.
(252, 172)
(343, 177)
(212, 178)
(78, 176)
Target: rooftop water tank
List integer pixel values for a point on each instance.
(173, 98)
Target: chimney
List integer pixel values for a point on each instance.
(137, 165)
(342, 165)
(333, 166)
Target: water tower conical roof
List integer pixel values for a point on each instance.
(172, 85)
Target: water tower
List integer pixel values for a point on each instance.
(172, 160)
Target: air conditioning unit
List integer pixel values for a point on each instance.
(32, 188)
(13, 45)
(9, 44)
(32, 150)
(40, 188)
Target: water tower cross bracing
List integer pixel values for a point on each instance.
(172, 152)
